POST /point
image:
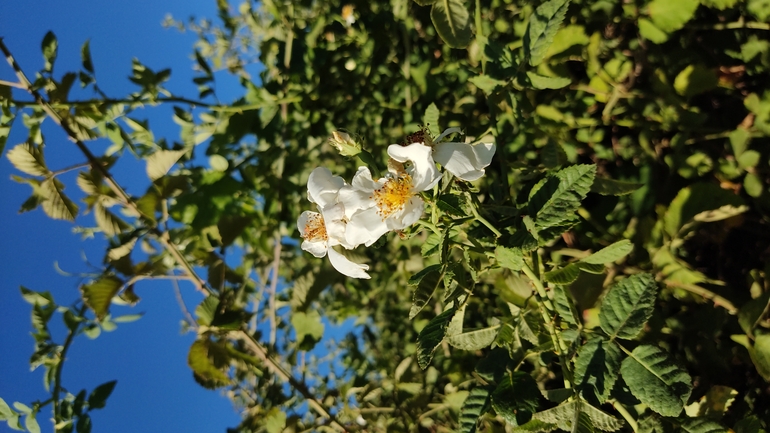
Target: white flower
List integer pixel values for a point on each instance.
(322, 231)
(464, 160)
(374, 208)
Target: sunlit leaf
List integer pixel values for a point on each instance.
(474, 340)
(606, 186)
(610, 253)
(597, 367)
(559, 196)
(452, 22)
(98, 294)
(564, 275)
(543, 25)
(205, 362)
(538, 81)
(160, 162)
(28, 158)
(57, 205)
(475, 405)
(50, 47)
(628, 305)
(431, 119)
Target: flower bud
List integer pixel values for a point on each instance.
(344, 144)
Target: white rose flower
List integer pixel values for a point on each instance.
(464, 160)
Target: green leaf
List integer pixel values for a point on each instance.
(452, 22)
(431, 337)
(160, 162)
(49, 47)
(610, 253)
(701, 425)
(651, 32)
(597, 367)
(760, 353)
(719, 4)
(452, 204)
(425, 2)
(205, 362)
(206, 311)
(511, 258)
(565, 275)
(543, 25)
(628, 305)
(425, 287)
(559, 195)
(695, 79)
(486, 83)
(605, 186)
(98, 295)
(474, 340)
(475, 405)
(57, 205)
(516, 397)
(307, 326)
(563, 304)
(431, 119)
(84, 424)
(670, 16)
(5, 411)
(275, 420)
(110, 224)
(656, 380)
(534, 426)
(693, 200)
(739, 140)
(36, 298)
(31, 424)
(28, 158)
(753, 185)
(98, 397)
(538, 81)
(128, 318)
(85, 56)
(563, 416)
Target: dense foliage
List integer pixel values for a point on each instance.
(608, 272)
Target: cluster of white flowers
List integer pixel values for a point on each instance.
(361, 212)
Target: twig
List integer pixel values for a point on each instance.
(286, 376)
(274, 288)
(182, 306)
(718, 301)
(169, 99)
(11, 84)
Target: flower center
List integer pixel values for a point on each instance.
(315, 229)
(393, 195)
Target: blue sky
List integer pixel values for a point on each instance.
(155, 390)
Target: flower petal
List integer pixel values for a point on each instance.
(323, 186)
(412, 212)
(346, 267)
(464, 160)
(423, 171)
(447, 132)
(365, 227)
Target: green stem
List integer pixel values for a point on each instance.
(625, 414)
(171, 99)
(59, 367)
(480, 218)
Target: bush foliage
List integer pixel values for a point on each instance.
(608, 272)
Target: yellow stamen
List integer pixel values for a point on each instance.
(315, 229)
(393, 195)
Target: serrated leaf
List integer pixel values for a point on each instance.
(511, 258)
(431, 337)
(110, 224)
(702, 425)
(425, 287)
(543, 25)
(98, 295)
(670, 16)
(50, 47)
(563, 304)
(160, 162)
(534, 426)
(597, 367)
(85, 56)
(565, 275)
(475, 405)
(559, 195)
(307, 326)
(431, 119)
(654, 378)
(516, 397)
(538, 81)
(452, 204)
(275, 420)
(28, 158)
(452, 22)
(610, 253)
(98, 397)
(628, 305)
(206, 311)
(486, 83)
(564, 416)
(474, 340)
(203, 361)
(57, 205)
(605, 186)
